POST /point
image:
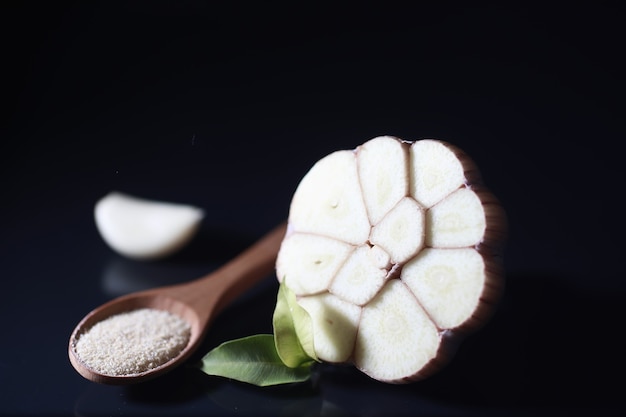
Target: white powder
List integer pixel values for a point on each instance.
(133, 342)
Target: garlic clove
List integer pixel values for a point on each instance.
(145, 229)
(328, 201)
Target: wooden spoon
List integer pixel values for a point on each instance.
(197, 301)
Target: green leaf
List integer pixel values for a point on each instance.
(253, 360)
(293, 330)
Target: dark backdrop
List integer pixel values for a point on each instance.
(227, 106)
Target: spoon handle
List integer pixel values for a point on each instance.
(211, 293)
(250, 266)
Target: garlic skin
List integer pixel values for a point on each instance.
(144, 229)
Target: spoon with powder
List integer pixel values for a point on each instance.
(140, 336)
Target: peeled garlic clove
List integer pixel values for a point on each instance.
(145, 229)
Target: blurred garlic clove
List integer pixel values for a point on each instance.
(145, 229)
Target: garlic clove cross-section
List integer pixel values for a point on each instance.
(145, 229)
(394, 249)
(329, 200)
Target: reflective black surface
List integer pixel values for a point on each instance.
(227, 107)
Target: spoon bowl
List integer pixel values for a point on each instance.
(198, 302)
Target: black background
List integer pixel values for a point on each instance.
(227, 106)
